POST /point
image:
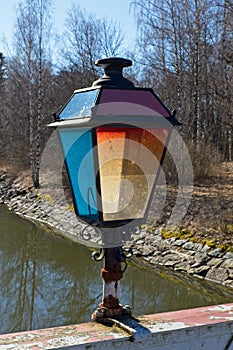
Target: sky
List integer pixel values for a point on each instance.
(118, 10)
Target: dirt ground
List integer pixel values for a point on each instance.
(210, 213)
(214, 205)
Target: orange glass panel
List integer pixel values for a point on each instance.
(128, 163)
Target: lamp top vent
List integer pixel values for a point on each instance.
(113, 67)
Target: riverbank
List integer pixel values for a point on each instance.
(204, 251)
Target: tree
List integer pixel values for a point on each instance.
(2, 70)
(2, 99)
(87, 39)
(184, 49)
(31, 66)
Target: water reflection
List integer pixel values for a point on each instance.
(45, 280)
(160, 290)
(48, 281)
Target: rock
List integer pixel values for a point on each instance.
(170, 263)
(187, 253)
(3, 177)
(156, 253)
(227, 263)
(140, 241)
(193, 246)
(156, 241)
(155, 259)
(190, 259)
(217, 274)
(201, 257)
(228, 255)
(191, 271)
(22, 192)
(228, 283)
(215, 253)
(195, 265)
(183, 266)
(147, 250)
(170, 260)
(216, 262)
(202, 270)
(181, 242)
(206, 248)
(171, 241)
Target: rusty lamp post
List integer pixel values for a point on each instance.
(113, 137)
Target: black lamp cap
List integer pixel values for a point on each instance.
(113, 77)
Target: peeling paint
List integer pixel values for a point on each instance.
(166, 326)
(202, 328)
(224, 307)
(221, 318)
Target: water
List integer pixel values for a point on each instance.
(48, 281)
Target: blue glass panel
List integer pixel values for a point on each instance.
(79, 105)
(77, 149)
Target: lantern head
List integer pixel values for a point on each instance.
(113, 137)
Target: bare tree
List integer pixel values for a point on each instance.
(2, 99)
(32, 34)
(86, 39)
(2, 70)
(185, 49)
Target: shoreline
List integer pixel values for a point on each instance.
(181, 255)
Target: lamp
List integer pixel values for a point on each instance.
(114, 138)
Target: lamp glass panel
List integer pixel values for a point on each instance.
(131, 102)
(78, 153)
(79, 105)
(129, 159)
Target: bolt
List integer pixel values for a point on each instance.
(99, 313)
(127, 309)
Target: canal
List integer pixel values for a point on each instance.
(48, 281)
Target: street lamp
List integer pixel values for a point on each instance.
(113, 136)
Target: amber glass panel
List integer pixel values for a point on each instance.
(128, 164)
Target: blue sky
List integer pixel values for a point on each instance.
(118, 10)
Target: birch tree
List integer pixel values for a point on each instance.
(32, 34)
(2, 70)
(2, 99)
